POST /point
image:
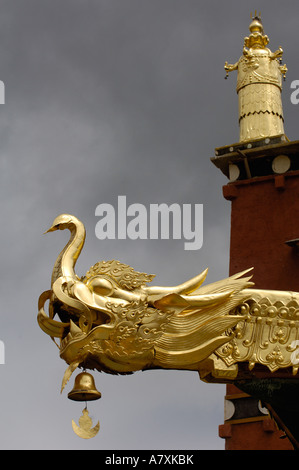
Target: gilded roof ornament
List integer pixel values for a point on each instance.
(259, 85)
(111, 320)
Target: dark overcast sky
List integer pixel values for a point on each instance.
(108, 98)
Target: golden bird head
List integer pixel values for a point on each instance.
(62, 222)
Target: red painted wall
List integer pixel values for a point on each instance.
(264, 215)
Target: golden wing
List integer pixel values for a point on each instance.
(191, 335)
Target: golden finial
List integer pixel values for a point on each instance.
(255, 16)
(256, 24)
(260, 73)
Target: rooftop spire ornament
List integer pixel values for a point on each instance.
(259, 85)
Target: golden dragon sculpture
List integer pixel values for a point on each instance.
(112, 321)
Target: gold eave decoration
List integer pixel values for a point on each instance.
(269, 333)
(110, 320)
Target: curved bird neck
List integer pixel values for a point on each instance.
(65, 263)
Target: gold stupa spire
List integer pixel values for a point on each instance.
(259, 85)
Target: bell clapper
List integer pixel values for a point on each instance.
(84, 430)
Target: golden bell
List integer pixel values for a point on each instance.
(84, 388)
